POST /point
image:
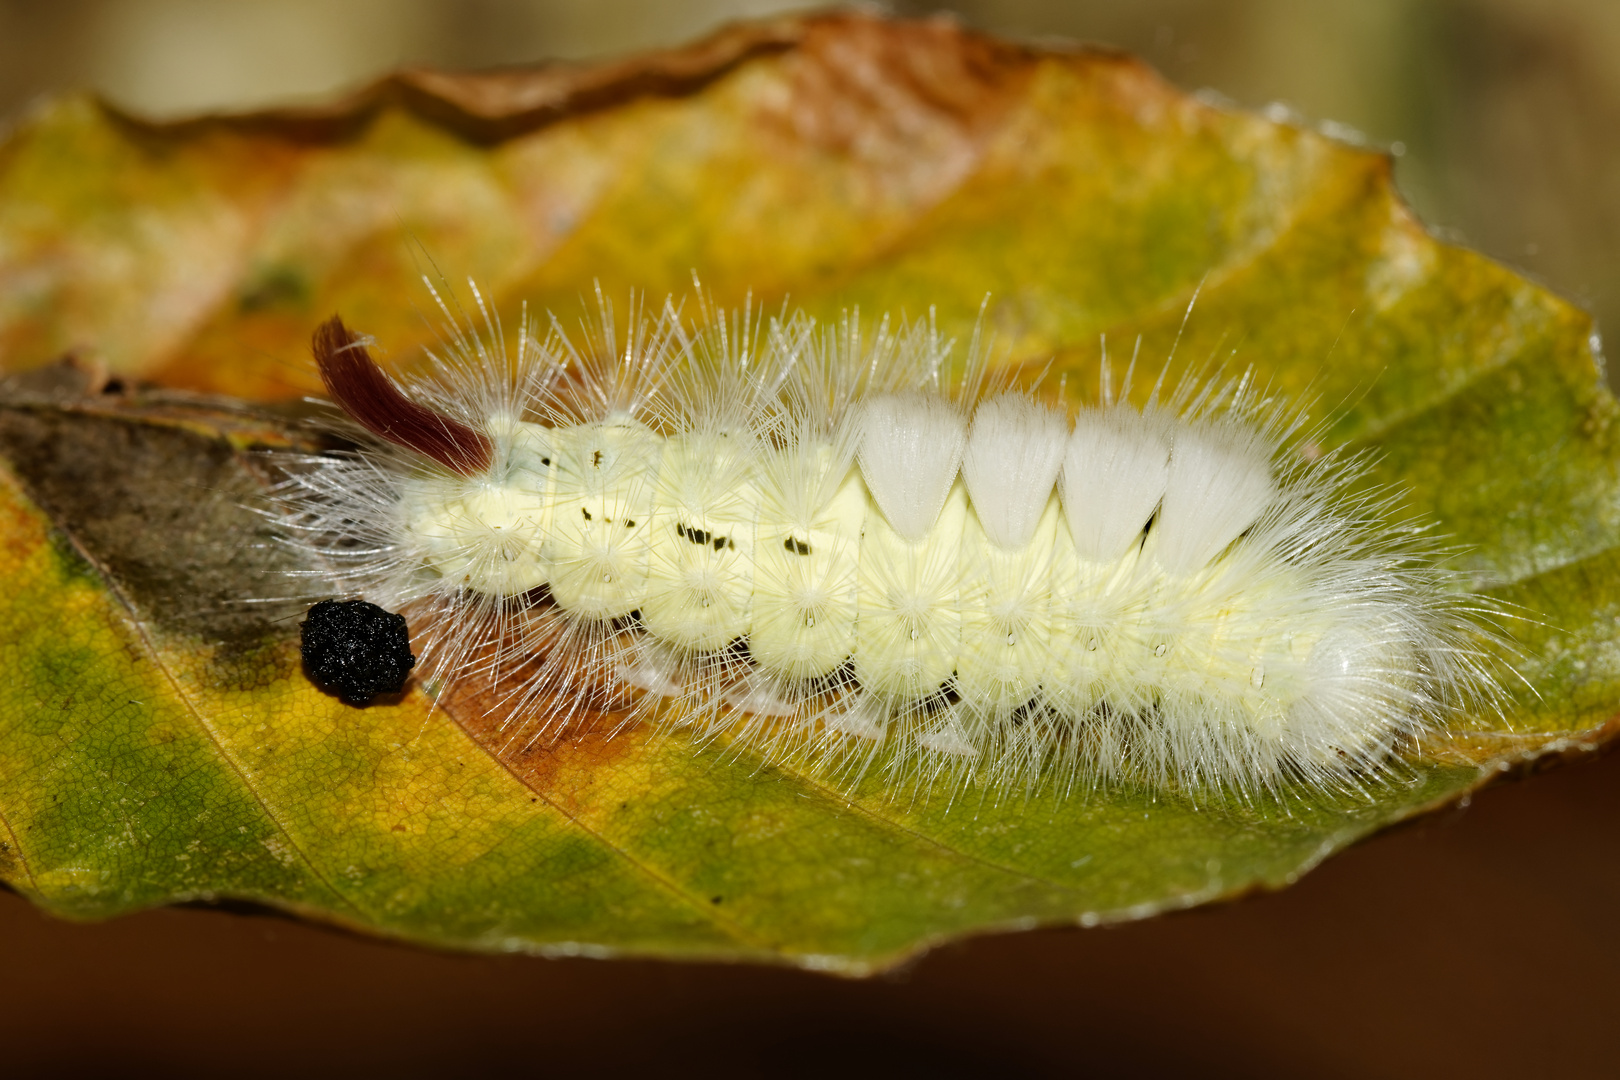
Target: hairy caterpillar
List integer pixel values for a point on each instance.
(819, 546)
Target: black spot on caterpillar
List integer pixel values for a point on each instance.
(702, 537)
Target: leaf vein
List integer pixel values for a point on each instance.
(220, 747)
(686, 896)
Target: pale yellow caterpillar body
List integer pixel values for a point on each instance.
(815, 546)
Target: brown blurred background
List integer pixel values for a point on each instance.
(1478, 943)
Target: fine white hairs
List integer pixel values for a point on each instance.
(816, 547)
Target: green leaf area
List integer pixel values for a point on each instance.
(158, 741)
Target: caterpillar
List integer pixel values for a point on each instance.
(815, 543)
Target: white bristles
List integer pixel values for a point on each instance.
(911, 447)
(1012, 460)
(753, 529)
(1219, 482)
(1114, 474)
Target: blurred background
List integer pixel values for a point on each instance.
(1476, 943)
(1505, 113)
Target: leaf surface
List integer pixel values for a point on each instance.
(158, 741)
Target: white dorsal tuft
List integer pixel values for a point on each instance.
(1220, 483)
(911, 447)
(1114, 474)
(1014, 453)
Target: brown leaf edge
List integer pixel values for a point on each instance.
(491, 106)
